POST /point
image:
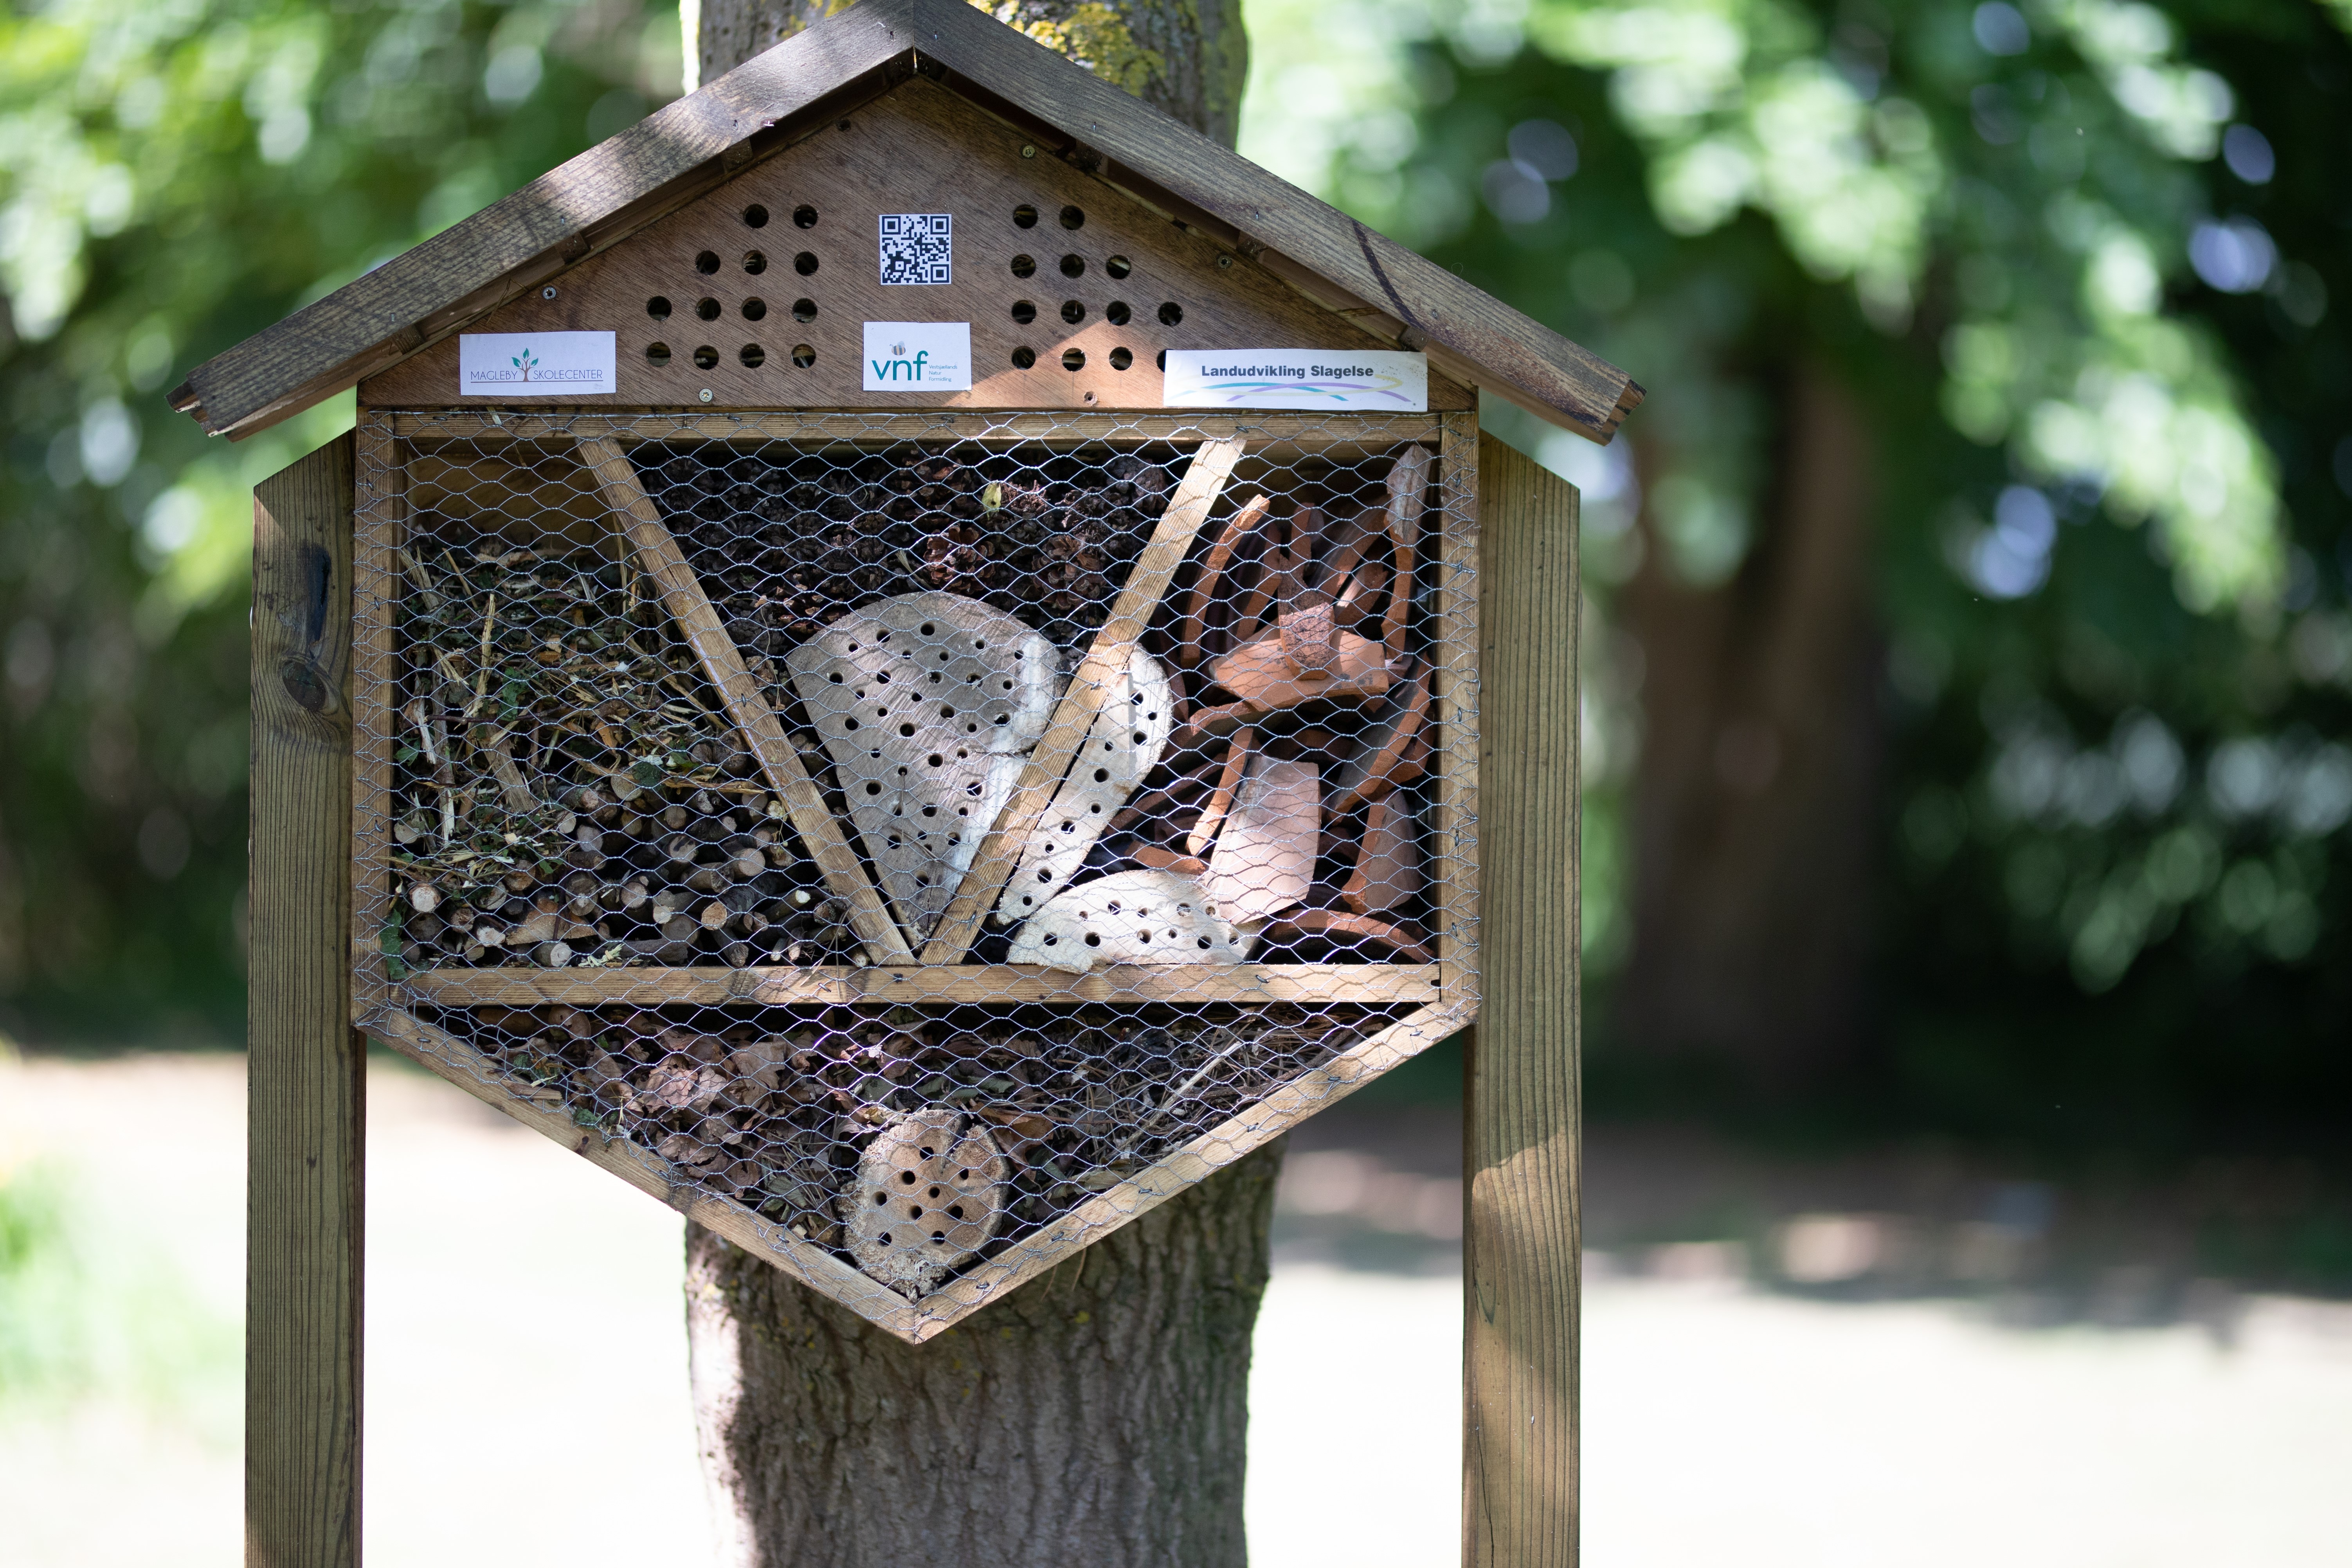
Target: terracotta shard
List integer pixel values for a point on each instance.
(1128, 917)
(1366, 935)
(930, 1191)
(928, 705)
(1388, 866)
(1262, 676)
(1122, 746)
(1265, 858)
(1386, 753)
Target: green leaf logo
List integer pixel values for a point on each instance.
(526, 362)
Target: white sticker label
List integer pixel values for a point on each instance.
(918, 356)
(534, 364)
(1385, 379)
(917, 248)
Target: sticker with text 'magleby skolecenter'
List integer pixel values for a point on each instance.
(918, 357)
(534, 364)
(1383, 379)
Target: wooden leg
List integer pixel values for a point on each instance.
(1521, 1252)
(305, 1064)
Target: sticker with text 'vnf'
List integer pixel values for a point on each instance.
(1383, 379)
(918, 357)
(534, 364)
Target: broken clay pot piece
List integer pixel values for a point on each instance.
(1128, 917)
(929, 1192)
(929, 704)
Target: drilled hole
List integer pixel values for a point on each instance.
(1025, 216)
(755, 216)
(706, 263)
(706, 357)
(658, 308)
(1171, 313)
(1073, 359)
(657, 353)
(754, 309)
(804, 216)
(1117, 313)
(1074, 218)
(1074, 266)
(805, 263)
(1023, 357)
(804, 310)
(1121, 358)
(805, 356)
(707, 309)
(752, 355)
(1023, 312)
(1161, 360)
(1073, 312)
(1025, 266)
(1118, 267)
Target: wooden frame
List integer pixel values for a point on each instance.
(394, 437)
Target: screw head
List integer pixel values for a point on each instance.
(548, 292)
(1027, 152)
(1224, 261)
(705, 395)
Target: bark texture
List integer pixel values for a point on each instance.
(1187, 58)
(1096, 1415)
(1752, 817)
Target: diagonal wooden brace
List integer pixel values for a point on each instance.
(747, 706)
(1097, 674)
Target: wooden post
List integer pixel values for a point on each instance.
(1520, 1261)
(305, 1064)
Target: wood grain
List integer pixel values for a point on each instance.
(1453, 676)
(1377, 985)
(746, 704)
(1275, 439)
(380, 525)
(1521, 1251)
(919, 150)
(789, 95)
(305, 1069)
(1097, 674)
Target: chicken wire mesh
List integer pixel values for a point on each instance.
(673, 731)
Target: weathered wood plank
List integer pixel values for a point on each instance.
(450, 1058)
(746, 705)
(1341, 437)
(1375, 984)
(604, 194)
(1454, 686)
(380, 525)
(1106, 661)
(305, 1069)
(1520, 1255)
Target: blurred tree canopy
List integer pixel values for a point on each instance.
(1968, 642)
(175, 174)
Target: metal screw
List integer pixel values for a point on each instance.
(1224, 261)
(1028, 152)
(548, 292)
(705, 395)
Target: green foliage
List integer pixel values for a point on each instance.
(2075, 259)
(175, 174)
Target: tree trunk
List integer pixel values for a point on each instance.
(1753, 807)
(1096, 1415)
(1187, 58)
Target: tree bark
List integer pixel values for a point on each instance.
(1753, 806)
(1187, 58)
(1096, 1415)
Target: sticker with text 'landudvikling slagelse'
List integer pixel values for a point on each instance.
(918, 357)
(534, 364)
(1388, 380)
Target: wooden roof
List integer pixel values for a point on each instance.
(606, 194)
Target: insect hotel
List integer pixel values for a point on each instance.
(912, 658)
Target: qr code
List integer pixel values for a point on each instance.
(917, 248)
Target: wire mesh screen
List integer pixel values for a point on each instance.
(923, 839)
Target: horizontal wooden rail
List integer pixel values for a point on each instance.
(1369, 984)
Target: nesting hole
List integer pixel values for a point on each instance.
(1025, 266)
(1073, 359)
(804, 356)
(658, 308)
(1023, 357)
(1074, 266)
(755, 262)
(1121, 358)
(706, 358)
(657, 354)
(804, 216)
(706, 263)
(755, 309)
(1118, 266)
(1171, 313)
(805, 264)
(755, 216)
(1074, 218)
(1073, 311)
(752, 355)
(804, 310)
(707, 310)
(1117, 313)
(1024, 312)
(1025, 216)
